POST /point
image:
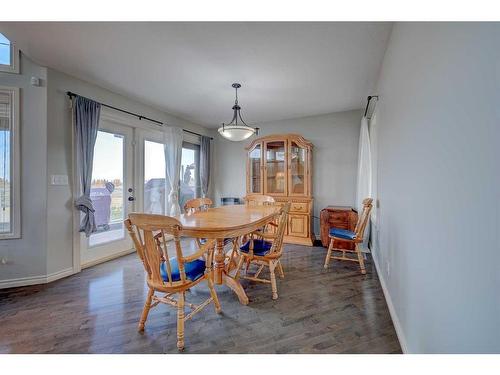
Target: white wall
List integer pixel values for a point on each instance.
(26, 257)
(438, 122)
(335, 156)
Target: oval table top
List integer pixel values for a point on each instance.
(225, 220)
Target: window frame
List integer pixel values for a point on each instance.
(15, 164)
(13, 67)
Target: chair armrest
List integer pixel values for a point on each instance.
(264, 235)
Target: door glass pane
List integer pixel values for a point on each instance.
(106, 190)
(297, 167)
(255, 177)
(5, 161)
(189, 184)
(275, 167)
(154, 178)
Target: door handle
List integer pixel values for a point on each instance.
(130, 199)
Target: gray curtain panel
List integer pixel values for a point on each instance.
(204, 164)
(86, 122)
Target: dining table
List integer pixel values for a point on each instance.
(224, 222)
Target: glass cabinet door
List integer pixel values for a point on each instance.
(275, 167)
(255, 170)
(298, 169)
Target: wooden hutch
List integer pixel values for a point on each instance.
(281, 166)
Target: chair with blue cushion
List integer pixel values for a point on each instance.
(172, 273)
(264, 250)
(356, 237)
(196, 205)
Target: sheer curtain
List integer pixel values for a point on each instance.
(374, 157)
(173, 138)
(364, 183)
(204, 164)
(86, 123)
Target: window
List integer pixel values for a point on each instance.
(190, 178)
(154, 178)
(9, 163)
(9, 56)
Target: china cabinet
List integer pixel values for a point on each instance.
(280, 166)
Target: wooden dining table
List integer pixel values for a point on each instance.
(227, 222)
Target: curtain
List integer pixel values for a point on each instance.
(86, 123)
(204, 164)
(173, 138)
(374, 171)
(364, 182)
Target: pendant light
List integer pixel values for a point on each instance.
(234, 131)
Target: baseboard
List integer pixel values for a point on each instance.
(59, 274)
(392, 310)
(107, 258)
(34, 280)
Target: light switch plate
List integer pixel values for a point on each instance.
(59, 179)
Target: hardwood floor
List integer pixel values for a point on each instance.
(97, 311)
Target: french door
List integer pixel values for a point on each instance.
(112, 193)
(129, 175)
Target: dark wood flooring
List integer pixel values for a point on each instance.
(318, 311)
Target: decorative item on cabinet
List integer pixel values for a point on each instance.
(341, 217)
(280, 165)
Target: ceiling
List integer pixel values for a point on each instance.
(287, 70)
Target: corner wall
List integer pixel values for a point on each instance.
(26, 256)
(438, 122)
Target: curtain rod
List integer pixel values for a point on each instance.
(140, 117)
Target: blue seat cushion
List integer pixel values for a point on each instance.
(260, 247)
(342, 233)
(194, 270)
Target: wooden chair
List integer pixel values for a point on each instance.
(197, 204)
(259, 199)
(355, 237)
(265, 249)
(172, 276)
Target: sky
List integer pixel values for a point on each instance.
(108, 158)
(4, 50)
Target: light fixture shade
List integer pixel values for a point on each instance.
(236, 133)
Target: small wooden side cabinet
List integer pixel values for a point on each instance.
(339, 217)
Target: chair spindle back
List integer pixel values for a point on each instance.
(197, 204)
(259, 200)
(277, 246)
(148, 232)
(363, 218)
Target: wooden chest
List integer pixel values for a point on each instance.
(339, 217)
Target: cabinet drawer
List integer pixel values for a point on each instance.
(338, 216)
(302, 207)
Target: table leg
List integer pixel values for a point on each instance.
(236, 287)
(221, 277)
(219, 260)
